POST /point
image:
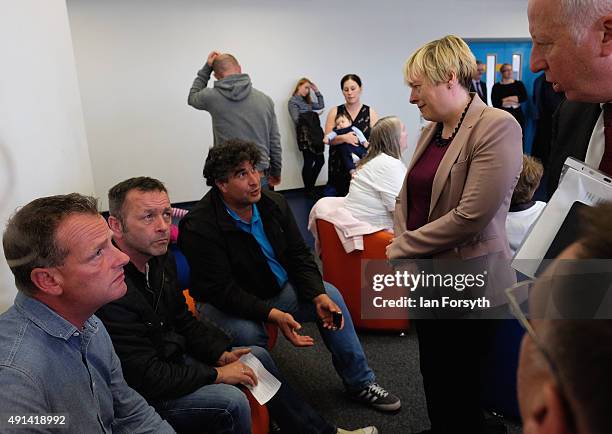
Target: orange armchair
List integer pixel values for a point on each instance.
(260, 417)
(343, 270)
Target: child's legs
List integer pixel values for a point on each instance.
(360, 151)
(345, 153)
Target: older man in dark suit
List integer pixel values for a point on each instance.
(572, 44)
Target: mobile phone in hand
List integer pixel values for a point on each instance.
(337, 319)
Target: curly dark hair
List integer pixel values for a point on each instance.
(225, 157)
(29, 240)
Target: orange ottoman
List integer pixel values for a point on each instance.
(343, 270)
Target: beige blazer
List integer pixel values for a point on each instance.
(471, 193)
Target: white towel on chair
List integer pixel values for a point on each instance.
(350, 230)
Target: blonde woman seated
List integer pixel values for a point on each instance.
(370, 203)
(379, 176)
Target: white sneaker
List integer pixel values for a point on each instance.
(366, 430)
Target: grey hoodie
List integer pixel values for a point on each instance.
(239, 111)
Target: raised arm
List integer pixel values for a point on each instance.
(320, 104)
(198, 94)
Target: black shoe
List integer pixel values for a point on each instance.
(378, 398)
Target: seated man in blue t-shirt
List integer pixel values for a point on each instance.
(250, 264)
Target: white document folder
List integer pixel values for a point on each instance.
(579, 185)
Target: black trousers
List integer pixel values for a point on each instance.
(452, 353)
(311, 169)
(339, 178)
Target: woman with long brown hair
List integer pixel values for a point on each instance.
(308, 130)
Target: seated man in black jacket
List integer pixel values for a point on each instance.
(250, 264)
(185, 368)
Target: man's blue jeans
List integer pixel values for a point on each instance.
(223, 408)
(347, 354)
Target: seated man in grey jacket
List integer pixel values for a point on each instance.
(239, 111)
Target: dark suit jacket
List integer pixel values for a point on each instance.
(483, 86)
(572, 126)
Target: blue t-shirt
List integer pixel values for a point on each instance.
(256, 229)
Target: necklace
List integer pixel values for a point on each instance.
(437, 138)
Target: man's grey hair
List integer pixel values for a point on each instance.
(579, 15)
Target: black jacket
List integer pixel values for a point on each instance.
(228, 267)
(309, 133)
(483, 88)
(152, 331)
(573, 125)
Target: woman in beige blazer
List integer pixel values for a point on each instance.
(453, 205)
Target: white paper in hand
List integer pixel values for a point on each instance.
(267, 384)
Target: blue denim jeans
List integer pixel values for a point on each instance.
(223, 408)
(347, 354)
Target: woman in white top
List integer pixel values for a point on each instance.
(524, 211)
(380, 174)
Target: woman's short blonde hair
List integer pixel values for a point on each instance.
(437, 60)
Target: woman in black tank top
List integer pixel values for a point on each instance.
(363, 117)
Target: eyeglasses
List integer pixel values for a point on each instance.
(513, 294)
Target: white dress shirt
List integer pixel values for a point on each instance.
(597, 144)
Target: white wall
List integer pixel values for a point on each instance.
(136, 61)
(43, 148)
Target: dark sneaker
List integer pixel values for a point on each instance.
(377, 397)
